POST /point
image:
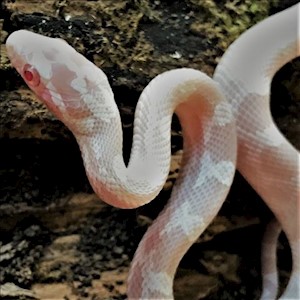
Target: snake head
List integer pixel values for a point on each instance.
(72, 87)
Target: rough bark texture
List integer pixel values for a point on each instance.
(58, 241)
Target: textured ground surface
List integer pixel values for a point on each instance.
(57, 240)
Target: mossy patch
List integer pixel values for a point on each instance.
(222, 22)
(121, 39)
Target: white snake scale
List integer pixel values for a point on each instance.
(226, 123)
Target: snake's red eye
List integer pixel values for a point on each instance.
(28, 75)
(31, 75)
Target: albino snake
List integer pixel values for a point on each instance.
(217, 136)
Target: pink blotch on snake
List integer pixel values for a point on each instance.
(226, 122)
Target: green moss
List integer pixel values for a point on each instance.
(224, 21)
(123, 42)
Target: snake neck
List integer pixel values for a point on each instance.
(115, 183)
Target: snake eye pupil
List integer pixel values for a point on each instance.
(28, 75)
(31, 75)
